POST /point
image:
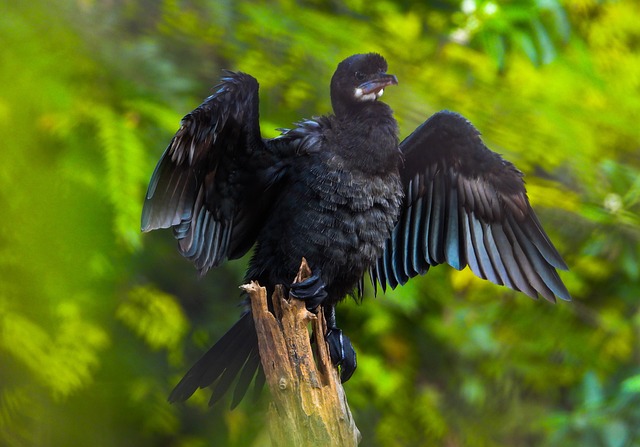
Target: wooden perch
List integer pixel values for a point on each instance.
(309, 406)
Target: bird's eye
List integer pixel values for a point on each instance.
(360, 76)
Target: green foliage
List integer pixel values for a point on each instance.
(533, 27)
(601, 415)
(154, 316)
(62, 363)
(98, 322)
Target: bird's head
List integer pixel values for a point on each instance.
(359, 80)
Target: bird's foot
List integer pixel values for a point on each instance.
(341, 352)
(311, 291)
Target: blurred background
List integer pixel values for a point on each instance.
(98, 322)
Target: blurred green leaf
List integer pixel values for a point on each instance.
(593, 393)
(632, 384)
(155, 316)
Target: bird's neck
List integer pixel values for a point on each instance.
(369, 138)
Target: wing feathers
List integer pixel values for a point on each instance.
(208, 178)
(387, 262)
(452, 242)
(426, 223)
(550, 281)
(418, 262)
(495, 253)
(477, 237)
(436, 223)
(537, 235)
(465, 205)
(472, 259)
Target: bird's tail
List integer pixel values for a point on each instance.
(235, 354)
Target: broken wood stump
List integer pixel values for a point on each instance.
(309, 405)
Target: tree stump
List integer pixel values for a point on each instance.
(309, 406)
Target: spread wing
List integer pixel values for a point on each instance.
(466, 205)
(212, 181)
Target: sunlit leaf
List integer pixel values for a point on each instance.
(615, 433)
(154, 316)
(494, 45)
(592, 389)
(545, 44)
(632, 384)
(525, 42)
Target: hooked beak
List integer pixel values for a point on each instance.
(378, 84)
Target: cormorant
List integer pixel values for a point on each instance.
(341, 191)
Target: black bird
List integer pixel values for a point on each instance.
(341, 191)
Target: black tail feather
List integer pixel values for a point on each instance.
(236, 353)
(261, 379)
(246, 376)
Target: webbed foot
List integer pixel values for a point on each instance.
(311, 291)
(342, 353)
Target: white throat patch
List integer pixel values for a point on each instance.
(360, 95)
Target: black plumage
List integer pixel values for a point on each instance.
(466, 205)
(342, 192)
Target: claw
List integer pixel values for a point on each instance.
(311, 291)
(342, 353)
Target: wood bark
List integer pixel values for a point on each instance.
(309, 406)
